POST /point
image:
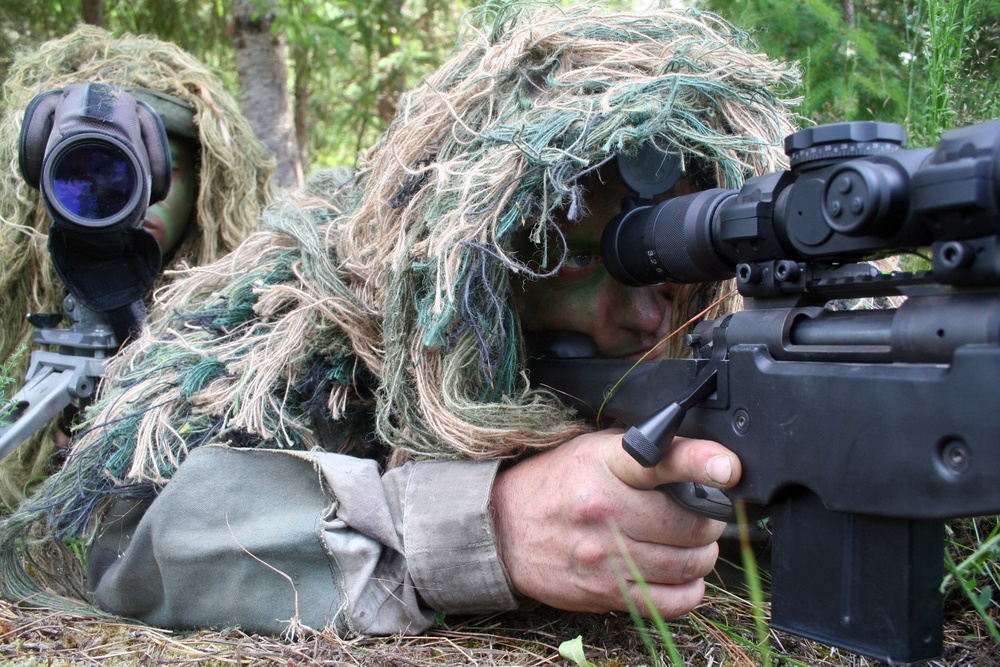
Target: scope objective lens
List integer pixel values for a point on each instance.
(93, 180)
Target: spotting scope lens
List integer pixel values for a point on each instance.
(93, 182)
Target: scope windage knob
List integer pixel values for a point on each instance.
(824, 144)
(861, 196)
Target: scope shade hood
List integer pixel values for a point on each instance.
(178, 116)
(56, 114)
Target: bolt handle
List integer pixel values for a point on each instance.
(647, 441)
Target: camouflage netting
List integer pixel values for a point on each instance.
(378, 311)
(234, 173)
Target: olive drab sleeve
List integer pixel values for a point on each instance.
(257, 538)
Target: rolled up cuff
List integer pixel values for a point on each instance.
(450, 542)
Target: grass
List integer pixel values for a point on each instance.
(7, 384)
(728, 630)
(734, 620)
(755, 588)
(664, 634)
(971, 563)
(720, 633)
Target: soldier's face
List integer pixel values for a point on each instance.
(624, 322)
(167, 220)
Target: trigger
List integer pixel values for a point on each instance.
(700, 499)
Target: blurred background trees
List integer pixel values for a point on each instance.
(346, 61)
(927, 64)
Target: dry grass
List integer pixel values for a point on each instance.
(719, 634)
(40, 637)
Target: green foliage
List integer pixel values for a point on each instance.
(350, 60)
(929, 65)
(24, 24)
(353, 60)
(953, 72)
(198, 26)
(572, 650)
(849, 73)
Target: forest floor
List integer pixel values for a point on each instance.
(720, 633)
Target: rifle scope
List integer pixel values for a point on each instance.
(851, 193)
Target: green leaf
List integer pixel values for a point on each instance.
(572, 649)
(985, 597)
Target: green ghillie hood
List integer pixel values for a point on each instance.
(377, 312)
(234, 170)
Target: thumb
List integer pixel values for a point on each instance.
(686, 460)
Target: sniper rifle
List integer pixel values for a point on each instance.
(860, 431)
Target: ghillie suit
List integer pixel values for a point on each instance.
(234, 169)
(377, 314)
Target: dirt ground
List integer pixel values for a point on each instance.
(720, 633)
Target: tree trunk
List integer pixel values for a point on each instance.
(390, 12)
(93, 12)
(301, 98)
(263, 76)
(850, 13)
